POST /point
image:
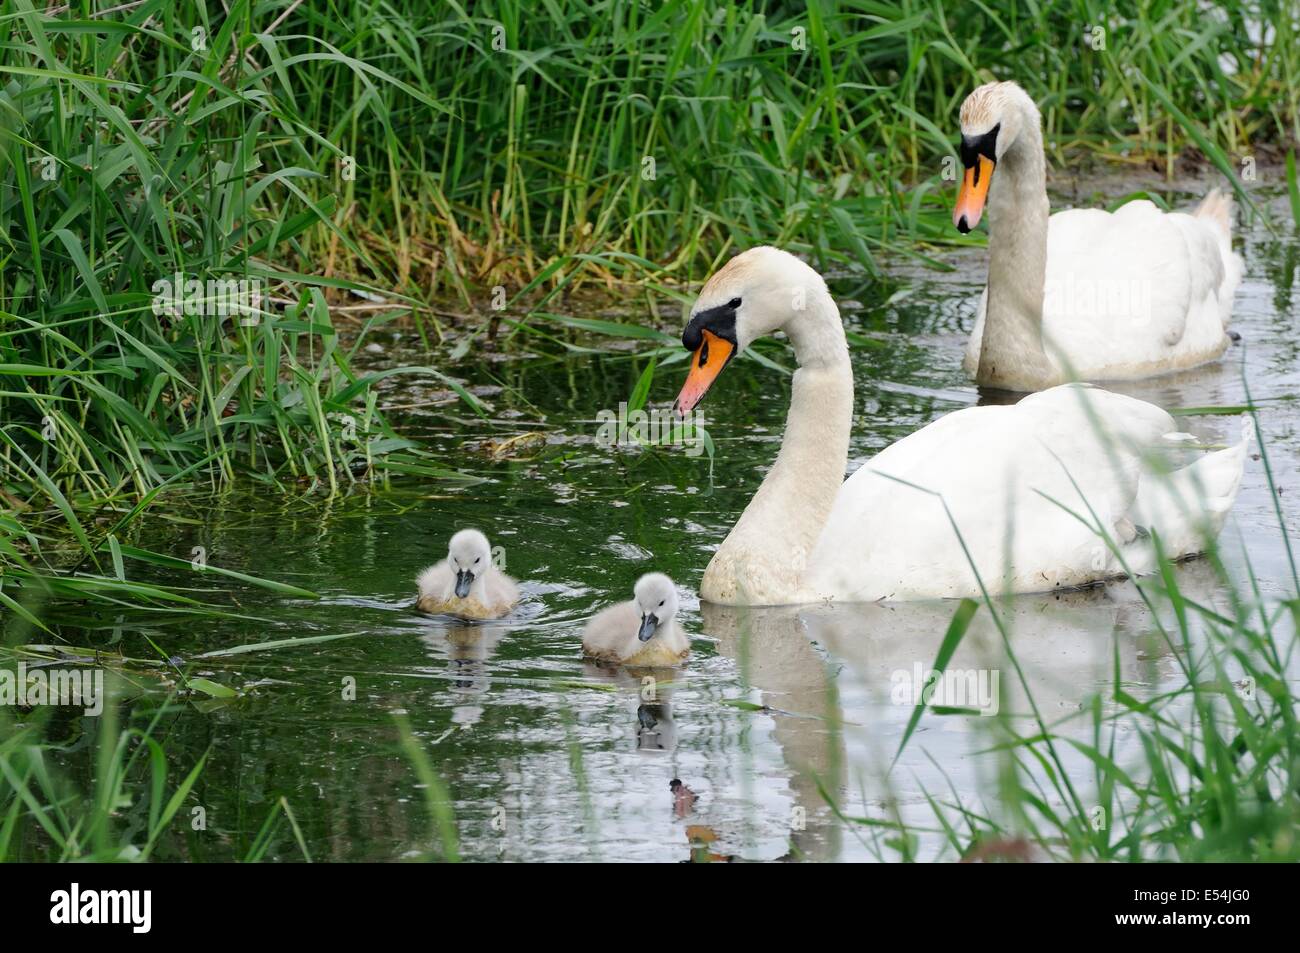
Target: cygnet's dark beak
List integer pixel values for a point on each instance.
(649, 622)
(464, 579)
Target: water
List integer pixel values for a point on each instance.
(547, 757)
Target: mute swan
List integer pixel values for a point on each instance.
(1085, 294)
(643, 631)
(809, 535)
(466, 584)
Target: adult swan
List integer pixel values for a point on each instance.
(1019, 481)
(1084, 294)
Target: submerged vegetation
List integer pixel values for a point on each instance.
(457, 170)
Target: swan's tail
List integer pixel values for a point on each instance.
(1217, 209)
(1188, 507)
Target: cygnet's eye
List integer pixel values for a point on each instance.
(661, 602)
(733, 304)
(477, 560)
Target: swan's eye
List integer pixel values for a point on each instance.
(733, 304)
(477, 560)
(661, 603)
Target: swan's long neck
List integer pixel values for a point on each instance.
(762, 560)
(1011, 350)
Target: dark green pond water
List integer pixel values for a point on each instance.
(546, 757)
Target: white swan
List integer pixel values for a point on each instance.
(643, 631)
(466, 583)
(1085, 294)
(808, 535)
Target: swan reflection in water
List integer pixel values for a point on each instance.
(831, 676)
(774, 655)
(653, 724)
(468, 650)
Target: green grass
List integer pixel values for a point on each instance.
(46, 817)
(139, 798)
(413, 152)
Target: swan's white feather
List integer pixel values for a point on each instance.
(1009, 476)
(1170, 276)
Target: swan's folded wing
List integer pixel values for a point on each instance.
(1188, 507)
(1119, 287)
(1099, 443)
(1216, 268)
(984, 491)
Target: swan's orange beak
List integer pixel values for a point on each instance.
(974, 190)
(710, 358)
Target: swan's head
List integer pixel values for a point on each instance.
(469, 556)
(992, 118)
(754, 294)
(656, 600)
